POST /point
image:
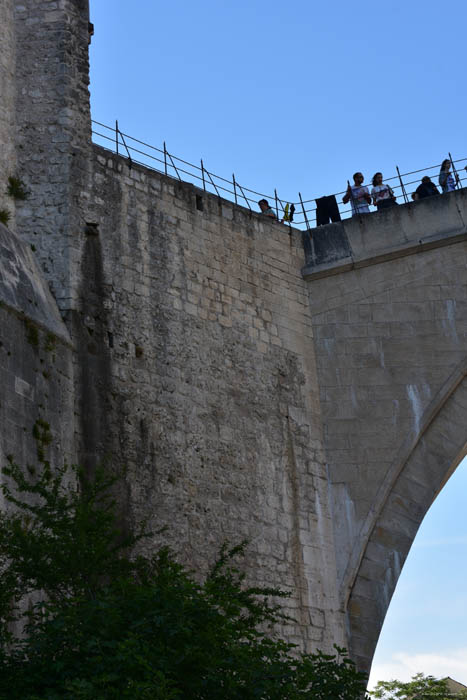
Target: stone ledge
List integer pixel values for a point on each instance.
(312, 272)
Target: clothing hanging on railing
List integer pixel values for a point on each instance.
(327, 210)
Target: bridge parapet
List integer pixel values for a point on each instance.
(380, 236)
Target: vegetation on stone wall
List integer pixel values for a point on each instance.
(50, 342)
(101, 625)
(5, 216)
(32, 333)
(16, 188)
(43, 437)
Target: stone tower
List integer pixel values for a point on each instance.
(51, 133)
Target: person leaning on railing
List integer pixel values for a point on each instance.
(266, 209)
(383, 195)
(358, 195)
(446, 179)
(425, 189)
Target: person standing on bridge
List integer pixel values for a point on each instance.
(383, 195)
(266, 209)
(358, 195)
(425, 189)
(446, 179)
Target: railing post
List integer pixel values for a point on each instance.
(304, 212)
(306, 237)
(454, 171)
(277, 207)
(174, 166)
(116, 136)
(352, 198)
(244, 196)
(235, 188)
(202, 173)
(213, 183)
(282, 207)
(406, 199)
(126, 148)
(165, 159)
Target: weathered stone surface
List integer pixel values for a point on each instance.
(7, 105)
(36, 368)
(216, 415)
(22, 287)
(391, 362)
(316, 415)
(191, 334)
(52, 133)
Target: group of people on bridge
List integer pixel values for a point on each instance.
(381, 195)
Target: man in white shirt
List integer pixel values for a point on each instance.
(358, 195)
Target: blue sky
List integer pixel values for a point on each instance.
(294, 96)
(425, 628)
(298, 96)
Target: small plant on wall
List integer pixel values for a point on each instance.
(16, 188)
(5, 216)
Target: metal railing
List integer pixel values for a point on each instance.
(161, 160)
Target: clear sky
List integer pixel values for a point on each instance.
(426, 625)
(298, 96)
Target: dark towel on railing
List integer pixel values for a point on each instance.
(327, 210)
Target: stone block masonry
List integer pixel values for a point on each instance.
(7, 104)
(36, 376)
(52, 132)
(317, 415)
(195, 327)
(389, 319)
(191, 356)
(36, 360)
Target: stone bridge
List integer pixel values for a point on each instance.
(316, 411)
(388, 300)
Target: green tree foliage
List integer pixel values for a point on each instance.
(101, 625)
(421, 687)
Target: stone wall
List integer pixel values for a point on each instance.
(192, 357)
(197, 372)
(53, 133)
(36, 368)
(246, 397)
(7, 104)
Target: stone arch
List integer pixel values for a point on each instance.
(422, 467)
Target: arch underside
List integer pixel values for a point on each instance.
(423, 466)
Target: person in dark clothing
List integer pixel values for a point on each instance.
(425, 189)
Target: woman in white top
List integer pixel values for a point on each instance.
(382, 195)
(446, 180)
